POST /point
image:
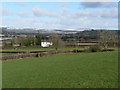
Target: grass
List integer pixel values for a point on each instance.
(81, 70)
(6, 54)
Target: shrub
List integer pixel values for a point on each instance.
(18, 56)
(78, 51)
(108, 50)
(94, 49)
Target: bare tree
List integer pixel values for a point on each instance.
(113, 38)
(107, 37)
(57, 42)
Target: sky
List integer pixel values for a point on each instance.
(60, 15)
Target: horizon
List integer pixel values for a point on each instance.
(69, 29)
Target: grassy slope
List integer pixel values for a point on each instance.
(83, 70)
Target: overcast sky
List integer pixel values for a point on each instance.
(51, 15)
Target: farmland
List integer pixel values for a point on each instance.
(72, 70)
(59, 45)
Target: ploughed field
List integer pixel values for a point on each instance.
(70, 70)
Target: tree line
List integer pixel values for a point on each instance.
(105, 38)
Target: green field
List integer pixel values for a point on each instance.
(72, 70)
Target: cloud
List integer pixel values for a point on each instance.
(23, 14)
(86, 22)
(62, 22)
(65, 18)
(32, 22)
(21, 3)
(100, 0)
(101, 18)
(105, 13)
(113, 13)
(37, 11)
(97, 4)
(6, 12)
(87, 13)
(63, 5)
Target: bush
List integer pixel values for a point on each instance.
(94, 49)
(108, 50)
(19, 56)
(78, 51)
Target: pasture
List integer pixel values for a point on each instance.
(71, 70)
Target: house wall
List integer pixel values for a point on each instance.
(46, 44)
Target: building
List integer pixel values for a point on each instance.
(46, 44)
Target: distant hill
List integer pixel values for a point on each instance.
(94, 34)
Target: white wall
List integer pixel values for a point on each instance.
(46, 44)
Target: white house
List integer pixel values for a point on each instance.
(46, 44)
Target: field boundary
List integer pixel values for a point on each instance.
(20, 55)
(24, 54)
